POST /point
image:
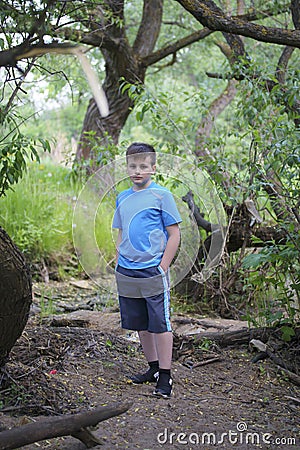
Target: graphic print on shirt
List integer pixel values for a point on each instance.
(143, 217)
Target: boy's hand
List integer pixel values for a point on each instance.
(165, 269)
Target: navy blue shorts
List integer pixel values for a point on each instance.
(144, 298)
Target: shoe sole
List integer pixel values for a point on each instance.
(143, 382)
(160, 394)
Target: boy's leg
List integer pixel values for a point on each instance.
(164, 346)
(148, 342)
(157, 346)
(149, 348)
(160, 325)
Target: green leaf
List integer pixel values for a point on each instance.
(287, 333)
(255, 260)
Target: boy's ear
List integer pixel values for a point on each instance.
(154, 169)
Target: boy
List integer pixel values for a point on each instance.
(147, 218)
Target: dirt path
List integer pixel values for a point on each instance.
(231, 403)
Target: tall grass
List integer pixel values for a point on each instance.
(38, 215)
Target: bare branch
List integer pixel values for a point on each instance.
(201, 34)
(149, 28)
(201, 222)
(212, 17)
(176, 46)
(25, 51)
(283, 63)
(215, 109)
(168, 64)
(295, 8)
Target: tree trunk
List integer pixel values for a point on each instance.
(122, 61)
(118, 65)
(15, 294)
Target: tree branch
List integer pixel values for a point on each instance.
(212, 17)
(71, 424)
(295, 8)
(149, 28)
(283, 63)
(216, 107)
(201, 222)
(173, 48)
(241, 228)
(25, 51)
(99, 38)
(201, 34)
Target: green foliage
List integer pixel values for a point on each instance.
(102, 151)
(103, 223)
(254, 141)
(47, 307)
(15, 151)
(287, 333)
(271, 175)
(205, 344)
(53, 123)
(158, 117)
(272, 276)
(38, 214)
(263, 123)
(15, 394)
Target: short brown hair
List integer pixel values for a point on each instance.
(140, 147)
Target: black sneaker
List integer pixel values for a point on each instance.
(150, 376)
(163, 387)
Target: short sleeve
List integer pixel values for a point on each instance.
(117, 223)
(170, 213)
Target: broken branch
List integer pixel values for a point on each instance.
(71, 424)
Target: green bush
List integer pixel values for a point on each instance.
(38, 213)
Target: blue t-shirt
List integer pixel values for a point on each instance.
(143, 217)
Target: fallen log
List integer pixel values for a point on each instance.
(235, 337)
(284, 366)
(207, 361)
(75, 425)
(291, 375)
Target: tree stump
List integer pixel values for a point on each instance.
(15, 294)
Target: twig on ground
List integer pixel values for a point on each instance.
(207, 361)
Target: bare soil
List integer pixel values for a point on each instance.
(231, 403)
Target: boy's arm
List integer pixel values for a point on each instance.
(119, 240)
(171, 247)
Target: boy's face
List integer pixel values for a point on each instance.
(140, 169)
